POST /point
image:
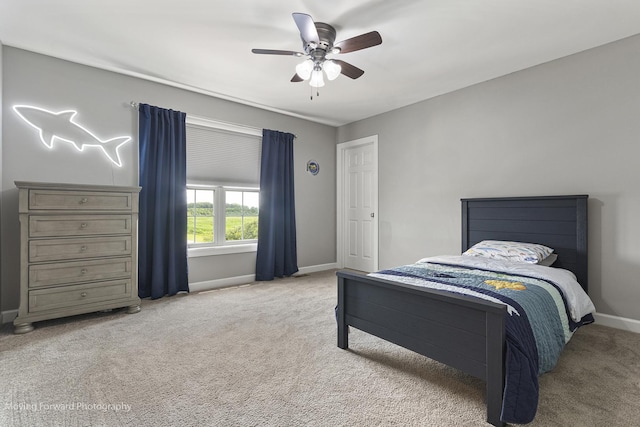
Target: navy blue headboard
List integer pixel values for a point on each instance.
(559, 222)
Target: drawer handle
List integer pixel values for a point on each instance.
(84, 294)
(83, 248)
(84, 200)
(83, 225)
(84, 271)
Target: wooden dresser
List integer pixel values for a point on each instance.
(78, 250)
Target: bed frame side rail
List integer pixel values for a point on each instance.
(462, 332)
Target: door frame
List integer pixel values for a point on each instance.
(341, 148)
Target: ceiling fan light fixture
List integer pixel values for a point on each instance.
(304, 69)
(316, 78)
(318, 41)
(332, 69)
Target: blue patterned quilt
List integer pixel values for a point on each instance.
(538, 323)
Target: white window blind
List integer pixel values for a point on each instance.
(222, 157)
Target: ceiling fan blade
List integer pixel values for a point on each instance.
(296, 78)
(349, 70)
(307, 27)
(276, 52)
(362, 41)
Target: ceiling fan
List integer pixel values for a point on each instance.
(317, 42)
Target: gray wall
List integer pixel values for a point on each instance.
(102, 100)
(570, 126)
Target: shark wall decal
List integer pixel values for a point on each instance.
(61, 126)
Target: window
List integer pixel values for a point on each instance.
(201, 218)
(238, 219)
(223, 172)
(241, 215)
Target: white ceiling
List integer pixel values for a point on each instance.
(429, 47)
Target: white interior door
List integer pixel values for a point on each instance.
(358, 204)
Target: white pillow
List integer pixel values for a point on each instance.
(531, 253)
(548, 261)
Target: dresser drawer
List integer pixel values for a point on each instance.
(62, 273)
(79, 200)
(86, 247)
(71, 296)
(78, 225)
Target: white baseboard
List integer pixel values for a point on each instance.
(8, 316)
(316, 268)
(616, 322)
(209, 285)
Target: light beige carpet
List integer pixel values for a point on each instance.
(266, 355)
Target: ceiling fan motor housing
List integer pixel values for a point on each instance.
(326, 38)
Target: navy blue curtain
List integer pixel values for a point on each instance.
(277, 255)
(162, 229)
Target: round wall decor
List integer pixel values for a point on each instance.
(313, 167)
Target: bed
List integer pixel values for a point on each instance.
(468, 333)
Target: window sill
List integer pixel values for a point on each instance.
(221, 250)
